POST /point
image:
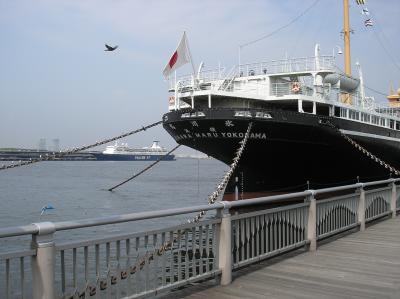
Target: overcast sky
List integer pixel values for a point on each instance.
(56, 80)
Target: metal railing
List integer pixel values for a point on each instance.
(290, 65)
(146, 263)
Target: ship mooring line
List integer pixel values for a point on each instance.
(48, 157)
(144, 169)
(149, 256)
(364, 150)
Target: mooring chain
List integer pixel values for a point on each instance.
(48, 157)
(211, 200)
(221, 186)
(169, 244)
(365, 151)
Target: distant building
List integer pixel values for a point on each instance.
(42, 144)
(56, 145)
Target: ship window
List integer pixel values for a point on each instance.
(365, 117)
(243, 113)
(391, 123)
(337, 111)
(383, 122)
(263, 115)
(354, 114)
(375, 120)
(397, 125)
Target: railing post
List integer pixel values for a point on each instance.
(361, 208)
(312, 222)
(225, 243)
(394, 199)
(43, 262)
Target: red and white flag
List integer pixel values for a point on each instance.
(180, 57)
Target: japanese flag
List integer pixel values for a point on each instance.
(180, 57)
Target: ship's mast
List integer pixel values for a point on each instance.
(346, 98)
(347, 63)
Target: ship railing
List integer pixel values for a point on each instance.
(291, 65)
(205, 76)
(367, 105)
(143, 264)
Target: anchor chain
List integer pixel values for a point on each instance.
(48, 157)
(364, 150)
(211, 200)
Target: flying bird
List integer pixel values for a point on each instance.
(109, 48)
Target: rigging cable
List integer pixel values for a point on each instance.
(145, 169)
(282, 27)
(78, 149)
(391, 57)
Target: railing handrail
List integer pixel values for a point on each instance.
(114, 219)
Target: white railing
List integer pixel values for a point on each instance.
(292, 65)
(307, 64)
(147, 263)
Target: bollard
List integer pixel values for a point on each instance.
(224, 246)
(394, 199)
(312, 222)
(43, 262)
(361, 208)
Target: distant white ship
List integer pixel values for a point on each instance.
(122, 152)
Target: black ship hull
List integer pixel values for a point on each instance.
(287, 151)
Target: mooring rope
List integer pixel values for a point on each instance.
(364, 150)
(141, 262)
(48, 157)
(145, 169)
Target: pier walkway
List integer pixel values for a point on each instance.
(360, 265)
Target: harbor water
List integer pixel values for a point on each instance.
(78, 190)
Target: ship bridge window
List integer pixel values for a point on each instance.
(383, 122)
(397, 126)
(391, 123)
(243, 113)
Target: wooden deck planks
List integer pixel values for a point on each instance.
(360, 265)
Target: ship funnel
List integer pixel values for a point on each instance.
(346, 83)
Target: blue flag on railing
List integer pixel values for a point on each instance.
(45, 208)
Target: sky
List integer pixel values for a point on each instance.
(56, 80)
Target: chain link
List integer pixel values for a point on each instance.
(48, 157)
(365, 151)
